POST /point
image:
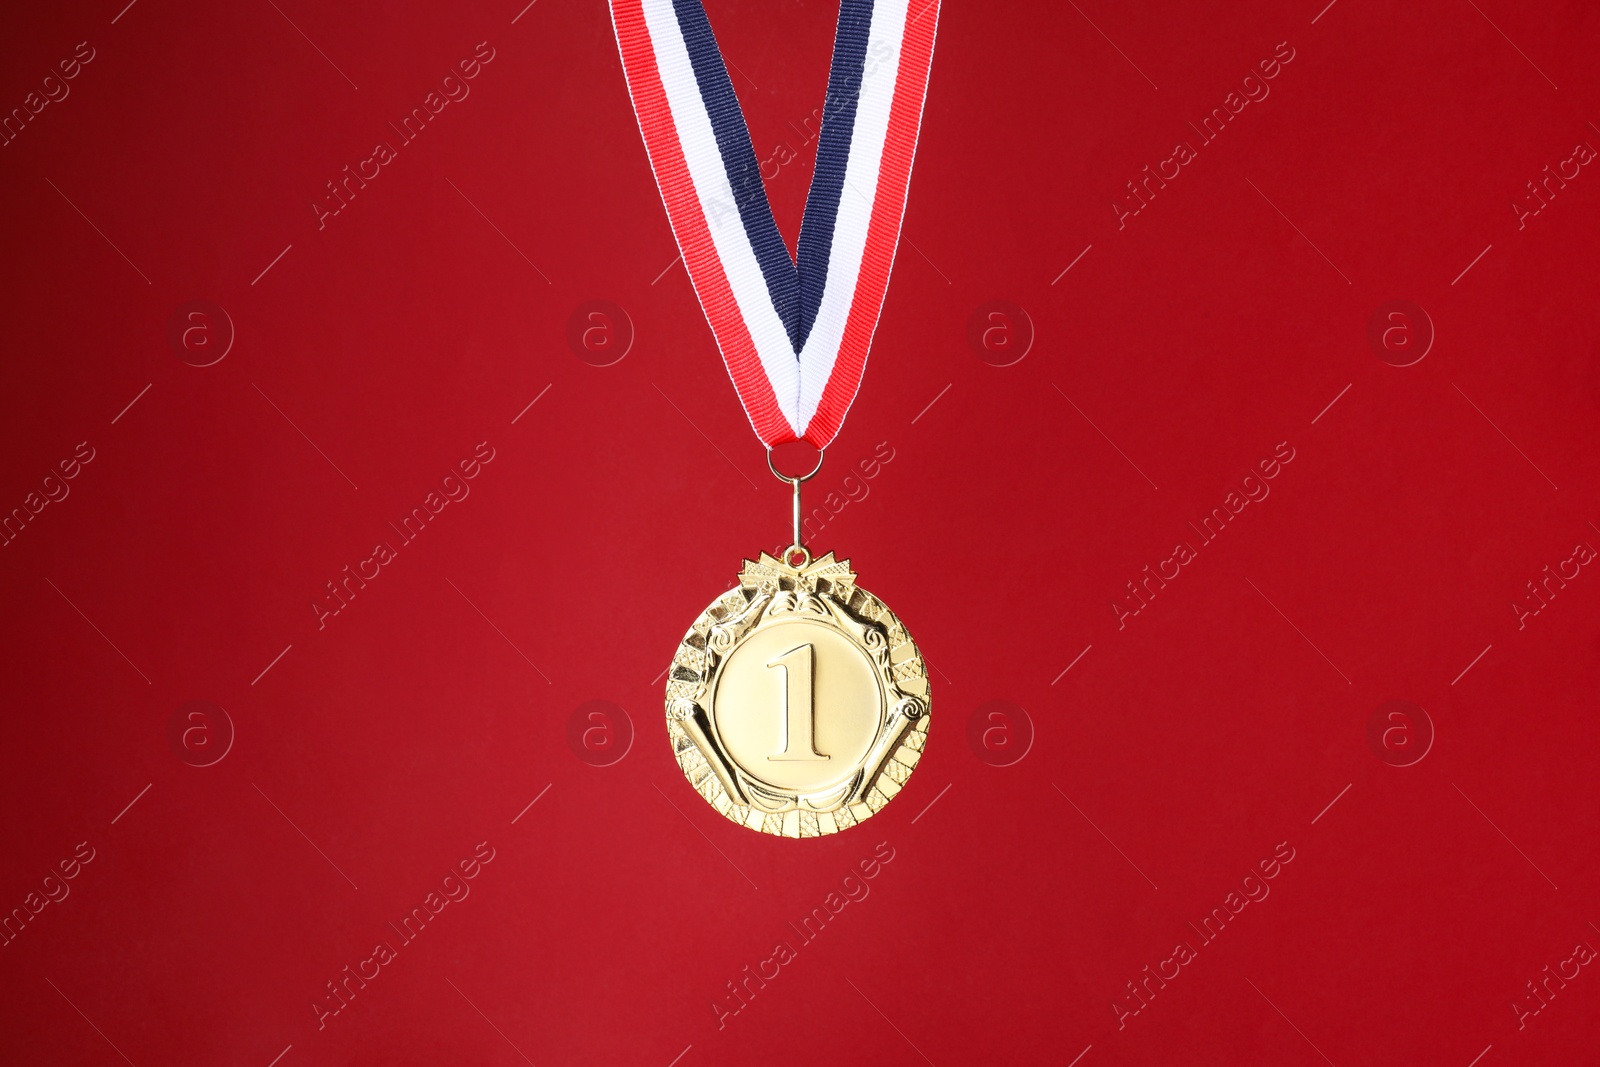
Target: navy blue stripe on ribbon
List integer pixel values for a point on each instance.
(796, 289)
(833, 155)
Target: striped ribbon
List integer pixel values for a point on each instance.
(794, 331)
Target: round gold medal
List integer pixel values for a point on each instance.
(797, 703)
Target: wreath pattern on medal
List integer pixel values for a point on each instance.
(824, 590)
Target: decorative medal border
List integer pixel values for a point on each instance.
(794, 335)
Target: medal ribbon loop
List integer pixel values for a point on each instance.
(794, 332)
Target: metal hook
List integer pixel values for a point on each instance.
(796, 548)
(821, 453)
(796, 483)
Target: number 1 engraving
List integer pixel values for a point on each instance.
(799, 713)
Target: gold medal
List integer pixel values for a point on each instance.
(797, 703)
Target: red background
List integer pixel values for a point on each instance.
(1219, 722)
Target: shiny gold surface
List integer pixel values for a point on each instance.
(797, 704)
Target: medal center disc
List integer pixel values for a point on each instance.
(798, 705)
